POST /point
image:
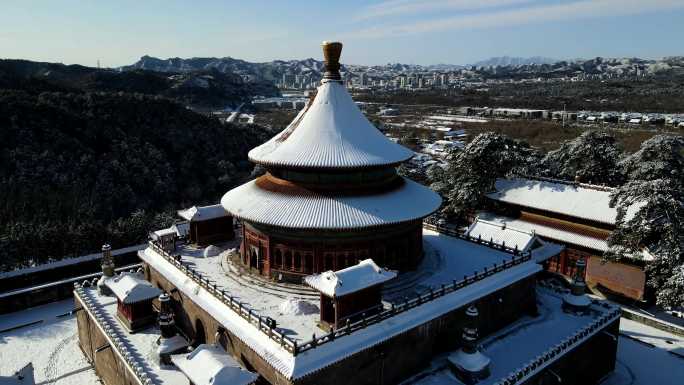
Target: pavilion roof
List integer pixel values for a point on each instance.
(129, 288)
(210, 365)
(331, 132)
(202, 213)
(308, 209)
(339, 283)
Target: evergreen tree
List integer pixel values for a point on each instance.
(651, 216)
(472, 171)
(81, 169)
(656, 188)
(592, 157)
(660, 157)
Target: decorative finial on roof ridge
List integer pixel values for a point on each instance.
(331, 52)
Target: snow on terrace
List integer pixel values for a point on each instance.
(51, 345)
(447, 259)
(521, 342)
(66, 262)
(292, 320)
(142, 345)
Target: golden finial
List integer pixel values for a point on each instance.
(331, 53)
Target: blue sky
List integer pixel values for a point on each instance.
(417, 32)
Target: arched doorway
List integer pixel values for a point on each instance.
(200, 336)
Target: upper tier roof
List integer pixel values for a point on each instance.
(330, 132)
(307, 209)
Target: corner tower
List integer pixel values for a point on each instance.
(331, 195)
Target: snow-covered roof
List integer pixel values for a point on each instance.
(500, 233)
(550, 232)
(546, 251)
(308, 209)
(210, 365)
(525, 239)
(570, 199)
(202, 213)
(163, 233)
(339, 283)
(182, 229)
(330, 132)
(129, 288)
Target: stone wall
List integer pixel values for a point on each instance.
(92, 341)
(386, 363)
(588, 363)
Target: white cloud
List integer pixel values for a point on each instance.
(404, 7)
(522, 16)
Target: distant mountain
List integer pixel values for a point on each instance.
(202, 88)
(78, 169)
(597, 68)
(268, 71)
(311, 70)
(506, 61)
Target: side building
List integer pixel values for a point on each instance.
(576, 215)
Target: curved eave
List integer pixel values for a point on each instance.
(315, 211)
(330, 133)
(325, 168)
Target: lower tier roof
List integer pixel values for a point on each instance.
(308, 209)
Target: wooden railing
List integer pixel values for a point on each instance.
(411, 303)
(484, 242)
(267, 325)
(609, 314)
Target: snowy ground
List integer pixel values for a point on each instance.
(446, 258)
(643, 357)
(142, 344)
(52, 346)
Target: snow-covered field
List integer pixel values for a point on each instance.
(52, 346)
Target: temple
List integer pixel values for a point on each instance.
(330, 276)
(331, 196)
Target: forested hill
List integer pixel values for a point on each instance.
(201, 88)
(79, 169)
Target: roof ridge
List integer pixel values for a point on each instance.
(566, 182)
(505, 226)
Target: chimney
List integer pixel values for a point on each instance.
(167, 325)
(331, 53)
(170, 342)
(468, 363)
(577, 301)
(107, 264)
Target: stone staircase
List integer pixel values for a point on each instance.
(258, 283)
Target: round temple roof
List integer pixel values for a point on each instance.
(330, 132)
(312, 210)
